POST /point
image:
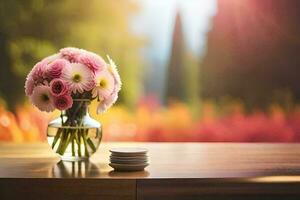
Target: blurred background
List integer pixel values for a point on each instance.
(192, 70)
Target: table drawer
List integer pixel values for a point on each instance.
(64, 189)
(213, 189)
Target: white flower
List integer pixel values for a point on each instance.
(113, 70)
(107, 103)
(105, 84)
(78, 77)
(42, 99)
(111, 95)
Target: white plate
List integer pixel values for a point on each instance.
(129, 151)
(129, 157)
(128, 161)
(127, 167)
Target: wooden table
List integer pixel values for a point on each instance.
(176, 171)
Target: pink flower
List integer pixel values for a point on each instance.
(38, 72)
(51, 58)
(92, 61)
(29, 85)
(55, 68)
(71, 53)
(42, 98)
(78, 77)
(63, 102)
(113, 97)
(108, 99)
(58, 87)
(105, 84)
(105, 104)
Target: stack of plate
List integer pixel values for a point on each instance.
(128, 159)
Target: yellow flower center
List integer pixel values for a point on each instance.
(103, 83)
(76, 78)
(45, 97)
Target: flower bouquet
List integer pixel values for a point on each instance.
(69, 81)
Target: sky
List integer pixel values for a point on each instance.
(155, 21)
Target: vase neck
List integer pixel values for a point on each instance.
(79, 109)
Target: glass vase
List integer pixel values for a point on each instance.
(75, 135)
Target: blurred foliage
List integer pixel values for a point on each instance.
(33, 29)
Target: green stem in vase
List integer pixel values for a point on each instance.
(70, 132)
(62, 140)
(78, 141)
(78, 138)
(91, 144)
(73, 147)
(58, 134)
(70, 137)
(85, 143)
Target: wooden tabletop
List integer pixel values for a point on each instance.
(202, 168)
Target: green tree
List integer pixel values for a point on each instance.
(182, 75)
(175, 77)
